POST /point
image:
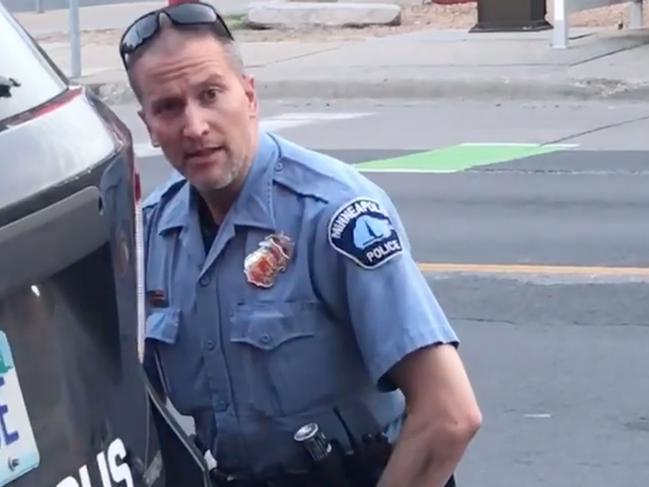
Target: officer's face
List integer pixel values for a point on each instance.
(199, 108)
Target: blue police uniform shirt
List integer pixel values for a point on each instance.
(253, 364)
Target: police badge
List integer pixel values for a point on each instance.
(264, 264)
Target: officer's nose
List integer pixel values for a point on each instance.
(195, 123)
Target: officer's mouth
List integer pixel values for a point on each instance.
(204, 155)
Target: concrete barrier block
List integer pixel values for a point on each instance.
(276, 15)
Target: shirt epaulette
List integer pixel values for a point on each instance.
(313, 174)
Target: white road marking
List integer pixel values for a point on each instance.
(145, 149)
(272, 125)
(300, 119)
(321, 116)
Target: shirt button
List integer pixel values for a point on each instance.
(279, 166)
(266, 339)
(204, 280)
(210, 345)
(221, 405)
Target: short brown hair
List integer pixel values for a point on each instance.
(228, 45)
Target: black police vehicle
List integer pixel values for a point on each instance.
(75, 407)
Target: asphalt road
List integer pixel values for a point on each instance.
(559, 362)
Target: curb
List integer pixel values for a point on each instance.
(117, 93)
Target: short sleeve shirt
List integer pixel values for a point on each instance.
(307, 297)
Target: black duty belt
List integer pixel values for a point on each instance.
(285, 480)
(280, 479)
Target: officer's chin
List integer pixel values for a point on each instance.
(217, 182)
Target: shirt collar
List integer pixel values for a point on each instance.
(254, 205)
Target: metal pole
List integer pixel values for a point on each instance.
(39, 6)
(560, 34)
(75, 39)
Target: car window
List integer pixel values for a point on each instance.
(26, 78)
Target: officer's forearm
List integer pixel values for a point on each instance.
(426, 454)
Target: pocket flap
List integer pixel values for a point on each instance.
(270, 325)
(162, 325)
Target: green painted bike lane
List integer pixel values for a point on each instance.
(458, 157)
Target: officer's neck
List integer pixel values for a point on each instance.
(219, 201)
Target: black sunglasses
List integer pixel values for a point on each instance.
(186, 14)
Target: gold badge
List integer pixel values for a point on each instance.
(272, 257)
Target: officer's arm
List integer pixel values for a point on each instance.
(403, 334)
(443, 416)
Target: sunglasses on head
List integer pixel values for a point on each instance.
(186, 14)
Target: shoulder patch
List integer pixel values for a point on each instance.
(363, 231)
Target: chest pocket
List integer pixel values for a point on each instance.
(180, 375)
(282, 353)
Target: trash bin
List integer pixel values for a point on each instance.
(511, 16)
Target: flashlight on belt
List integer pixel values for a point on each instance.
(327, 458)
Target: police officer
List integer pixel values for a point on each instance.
(281, 289)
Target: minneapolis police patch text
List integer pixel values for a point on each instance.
(363, 231)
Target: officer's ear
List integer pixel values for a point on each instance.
(251, 94)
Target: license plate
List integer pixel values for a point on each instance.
(18, 450)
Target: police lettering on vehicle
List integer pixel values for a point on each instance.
(363, 231)
(112, 470)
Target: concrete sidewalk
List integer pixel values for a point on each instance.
(602, 64)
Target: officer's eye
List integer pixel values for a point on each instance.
(210, 94)
(167, 107)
